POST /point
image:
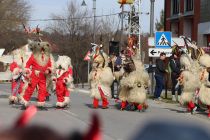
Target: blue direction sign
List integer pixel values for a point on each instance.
(163, 40)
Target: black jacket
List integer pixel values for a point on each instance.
(160, 67)
(175, 66)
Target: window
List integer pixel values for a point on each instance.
(175, 7)
(189, 5)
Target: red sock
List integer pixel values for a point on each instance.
(95, 103)
(139, 107)
(191, 105)
(104, 102)
(123, 104)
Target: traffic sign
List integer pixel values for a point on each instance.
(163, 39)
(175, 41)
(155, 52)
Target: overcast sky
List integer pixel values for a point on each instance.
(42, 9)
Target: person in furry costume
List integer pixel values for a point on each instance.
(38, 67)
(100, 78)
(63, 81)
(20, 57)
(204, 93)
(133, 86)
(190, 82)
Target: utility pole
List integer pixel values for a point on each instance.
(151, 35)
(139, 13)
(134, 23)
(94, 21)
(122, 24)
(94, 27)
(152, 18)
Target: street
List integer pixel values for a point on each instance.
(116, 124)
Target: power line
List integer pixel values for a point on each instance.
(61, 19)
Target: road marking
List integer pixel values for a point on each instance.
(66, 111)
(83, 91)
(70, 113)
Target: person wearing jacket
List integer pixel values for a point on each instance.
(159, 75)
(175, 71)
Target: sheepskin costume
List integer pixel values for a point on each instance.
(204, 93)
(63, 81)
(20, 57)
(101, 79)
(133, 86)
(38, 67)
(189, 80)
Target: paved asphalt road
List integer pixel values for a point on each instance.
(116, 124)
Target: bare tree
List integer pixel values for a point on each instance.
(73, 33)
(12, 14)
(159, 25)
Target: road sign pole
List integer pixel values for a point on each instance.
(152, 34)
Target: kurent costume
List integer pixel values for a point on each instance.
(135, 81)
(133, 87)
(63, 81)
(100, 78)
(17, 82)
(189, 80)
(193, 78)
(204, 92)
(38, 66)
(20, 56)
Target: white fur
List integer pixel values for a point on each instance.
(204, 94)
(66, 100)
(190, 84)
(13, 98)
(23, 101)
(64, 62)
(102, 77)
(133, 86)
(205, 60)
(60, 104)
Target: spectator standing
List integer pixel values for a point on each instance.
(175, 72)
(115, 65)
(160, 72)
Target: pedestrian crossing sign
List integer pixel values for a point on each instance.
(163, 40)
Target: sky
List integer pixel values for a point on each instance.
(42, 9)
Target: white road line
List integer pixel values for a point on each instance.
(83, 91)
(70, 113)
(66, 111)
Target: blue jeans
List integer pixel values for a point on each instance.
(159, 85)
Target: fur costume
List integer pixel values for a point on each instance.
(38, 67)
(20, 57)
(100, 78)
(189, 80)
(63, 80)
(204, 93)
(133, 87)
